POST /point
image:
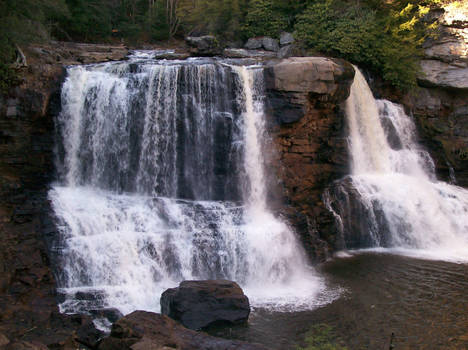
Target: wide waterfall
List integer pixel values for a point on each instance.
(161, 179)
(392, 198)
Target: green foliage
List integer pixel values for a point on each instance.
(222, 17)
(88, 20)
(264, 18)
(107, 20)
(386, 39)
(321, 337)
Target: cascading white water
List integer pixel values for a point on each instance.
(162, 181)
(400, 204)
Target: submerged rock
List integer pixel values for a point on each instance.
(199, 304)
(147, 330)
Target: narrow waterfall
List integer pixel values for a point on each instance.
(162, 180)
(392, 197)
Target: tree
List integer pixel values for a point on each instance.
(223, 17)
(264, 18)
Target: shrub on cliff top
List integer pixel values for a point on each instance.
(385, 38)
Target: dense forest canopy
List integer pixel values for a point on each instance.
(383, 35)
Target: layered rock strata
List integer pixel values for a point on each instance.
(440, 104)
(305, 97)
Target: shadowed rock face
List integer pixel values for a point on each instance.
(199, 304)
(147, 330)
(29, 313)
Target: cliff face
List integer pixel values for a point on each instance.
(305, 97)
(440, 104)
(27, 287)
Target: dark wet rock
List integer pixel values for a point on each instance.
(3, 340)
(254, 44)
(393, 139)
(146, 331)
(111, 314)
(29, 313)
(286, 39)
(88, 335)
(206, 45)
(358, 221)
(270, 44)
(199, 304)
(24, 345)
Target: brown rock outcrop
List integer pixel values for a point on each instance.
(305, 96)
(147, 330)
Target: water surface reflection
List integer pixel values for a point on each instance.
(424, 303)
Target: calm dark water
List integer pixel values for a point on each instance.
(424, 303)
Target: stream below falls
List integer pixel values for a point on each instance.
(423, 302)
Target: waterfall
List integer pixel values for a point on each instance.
(392, 197)
(162, 180)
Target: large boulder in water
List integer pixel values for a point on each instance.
(199, 304)
(143, 330)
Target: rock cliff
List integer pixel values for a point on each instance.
(27, 287)
(305, 97)
(440, 104)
